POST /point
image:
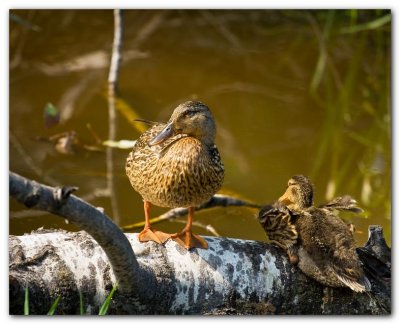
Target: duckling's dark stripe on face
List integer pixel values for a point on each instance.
(305, 190)
(190, 113)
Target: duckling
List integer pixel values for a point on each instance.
(279, 224)
(177, 164)
(325, 249)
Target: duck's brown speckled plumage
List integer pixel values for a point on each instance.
(177, 164)
(180, 172)
(325, 248)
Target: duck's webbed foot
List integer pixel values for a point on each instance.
(189, 240)
(149, 234)
(292, 254)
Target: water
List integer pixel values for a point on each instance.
(254, 69)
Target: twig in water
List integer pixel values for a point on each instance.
(29, 161)
(208, 227)
(216, 201)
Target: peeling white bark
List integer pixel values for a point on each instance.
(237, 275)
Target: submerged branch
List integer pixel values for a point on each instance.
(116, 49)
(217, 200)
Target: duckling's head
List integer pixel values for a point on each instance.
(299, 193)
(192, 118)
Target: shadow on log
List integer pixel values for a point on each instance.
(232, 277)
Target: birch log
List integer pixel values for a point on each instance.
(232, 277)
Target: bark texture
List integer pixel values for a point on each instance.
(231, 277)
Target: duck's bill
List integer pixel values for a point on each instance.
(165, 134)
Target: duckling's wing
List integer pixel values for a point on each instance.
(278, 224)
(362, 286)
(345, 261)
(342, 203)
(353, 278)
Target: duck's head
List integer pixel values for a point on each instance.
(192, 118)
(299, 193)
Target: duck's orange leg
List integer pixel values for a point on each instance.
(186, 238)
(148, 234)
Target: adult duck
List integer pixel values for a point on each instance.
(177, 164)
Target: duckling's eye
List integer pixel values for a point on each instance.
(190, 113)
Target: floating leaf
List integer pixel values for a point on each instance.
(130, 114)
(122, 144)
(51, 115)
(66, 144)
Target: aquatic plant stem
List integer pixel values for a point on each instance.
(112, 127)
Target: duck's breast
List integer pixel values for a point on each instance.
(183, 173)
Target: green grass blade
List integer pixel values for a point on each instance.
(104, 308)
(377, 23)
(323, 57)
(54, 306)
(24, 22)
(81, 309)
(26, 302)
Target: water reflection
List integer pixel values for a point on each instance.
(291, 93)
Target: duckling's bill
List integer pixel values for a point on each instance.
(286, 198)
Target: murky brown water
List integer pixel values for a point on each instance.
(252, 68)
